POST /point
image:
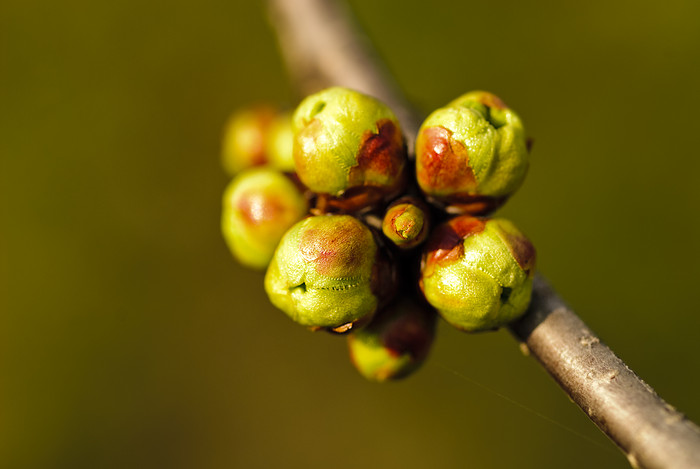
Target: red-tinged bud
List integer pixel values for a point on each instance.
(245, 139)
(471, 155)
(406, 223)
(328, 273)
(259, 206)
(349, 149)
(395, 343)
(478, 273)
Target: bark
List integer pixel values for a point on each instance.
(322, 47)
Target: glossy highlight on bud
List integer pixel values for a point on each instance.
(472, 154)
(347, 144)
(395, 343)
(259, 205)
(327, 273)
(478, 273)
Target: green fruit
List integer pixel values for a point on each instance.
(259, 205)
(346, 140)
(245, 139)
(327, 273)
(478, 273)
(472, 154)
(395, 343)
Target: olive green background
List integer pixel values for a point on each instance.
(130, 338)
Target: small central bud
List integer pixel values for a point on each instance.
(405, 223)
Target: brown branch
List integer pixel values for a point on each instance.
(323, 48)
(648, 430)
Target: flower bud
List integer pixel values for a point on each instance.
(279, 144)
(327, 273)
(395, 343)
(478, 273)
(471, 155)
(406, 223)
(349, 147)
(245, 139)
(259, 205)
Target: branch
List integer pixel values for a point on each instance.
(322, 48)
(650, 432)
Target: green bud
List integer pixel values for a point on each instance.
(478, 273)
(327, 273)
(245, 137)
(472, 154)
(406, 223)
(280, 141)
(259, 205)
(395, 343)
(346, 140)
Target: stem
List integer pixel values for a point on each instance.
(650, 432)
(323, 48)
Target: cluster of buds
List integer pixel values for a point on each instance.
(359, 240)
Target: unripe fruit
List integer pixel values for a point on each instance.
(348, 146)
(259, 205)
(327, 273)
(471, 155)
(395, 343)
(478, 273)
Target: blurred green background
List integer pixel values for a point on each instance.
(130, 338)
